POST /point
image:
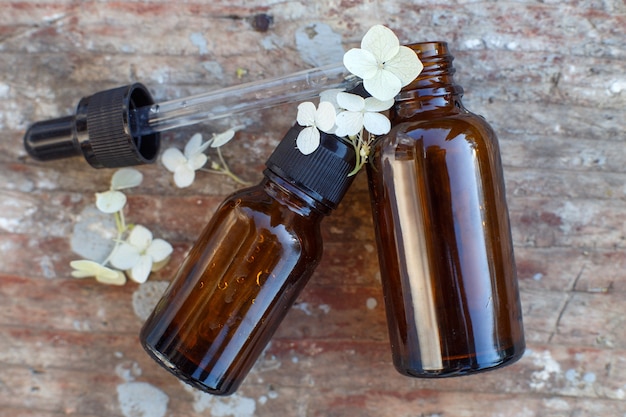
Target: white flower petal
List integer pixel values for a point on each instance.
(350, 102)
(110, 201)
(118, 279)
(173, 158)
(405, 65)
(125, 256)
(361, 63)
(376, 123)
(184, 176)
(197, 161)
(349, 123)
(194, 145)
(82, 274)
(159, 250)
(140, 271)
(306, 114)
(126, 178)
(384, 86)
(331, 96)
(83, 265)
(222, 138)
(140, 237)
(308, 140)
(84, 268)
(325, 116)
(381, 42)
(159, 265)
(374, 105)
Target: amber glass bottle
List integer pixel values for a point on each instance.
(248, 267)
(442, 231)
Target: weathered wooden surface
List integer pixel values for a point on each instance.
(549, 76)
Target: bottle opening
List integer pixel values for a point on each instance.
(436, 79)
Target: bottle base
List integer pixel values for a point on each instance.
(179, 372)
(455, 367)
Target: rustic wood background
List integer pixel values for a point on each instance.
(550, 76)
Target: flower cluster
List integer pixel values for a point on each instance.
(385, 67)
(135, 253)
(185, 164)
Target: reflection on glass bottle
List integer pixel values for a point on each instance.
(443, 232)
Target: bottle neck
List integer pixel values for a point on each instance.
(434, 89)
(293, 197)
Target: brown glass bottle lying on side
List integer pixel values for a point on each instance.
(442, 230)
(248, 267)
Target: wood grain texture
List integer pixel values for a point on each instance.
(549, 76)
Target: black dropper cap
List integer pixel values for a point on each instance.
(101, 130)
(323, 174)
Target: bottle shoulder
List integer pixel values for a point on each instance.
(259, 210)
(445, 131)
(457, 121)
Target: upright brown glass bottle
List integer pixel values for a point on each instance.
(442, 231)
(248, 267)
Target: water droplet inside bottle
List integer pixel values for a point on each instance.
(260, 278)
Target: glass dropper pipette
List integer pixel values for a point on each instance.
(122, 126)
(238, 99)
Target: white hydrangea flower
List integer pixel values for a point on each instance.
(113, 200)
(384, 65)
(185, 164)
(361, 113)
(84, 268)
(314, 120)
(140, 254)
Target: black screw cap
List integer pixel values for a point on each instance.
(323, 174)
(102, 130)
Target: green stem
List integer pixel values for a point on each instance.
(356, 144)
(120, 224)
(120, 221)
(224, 169)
